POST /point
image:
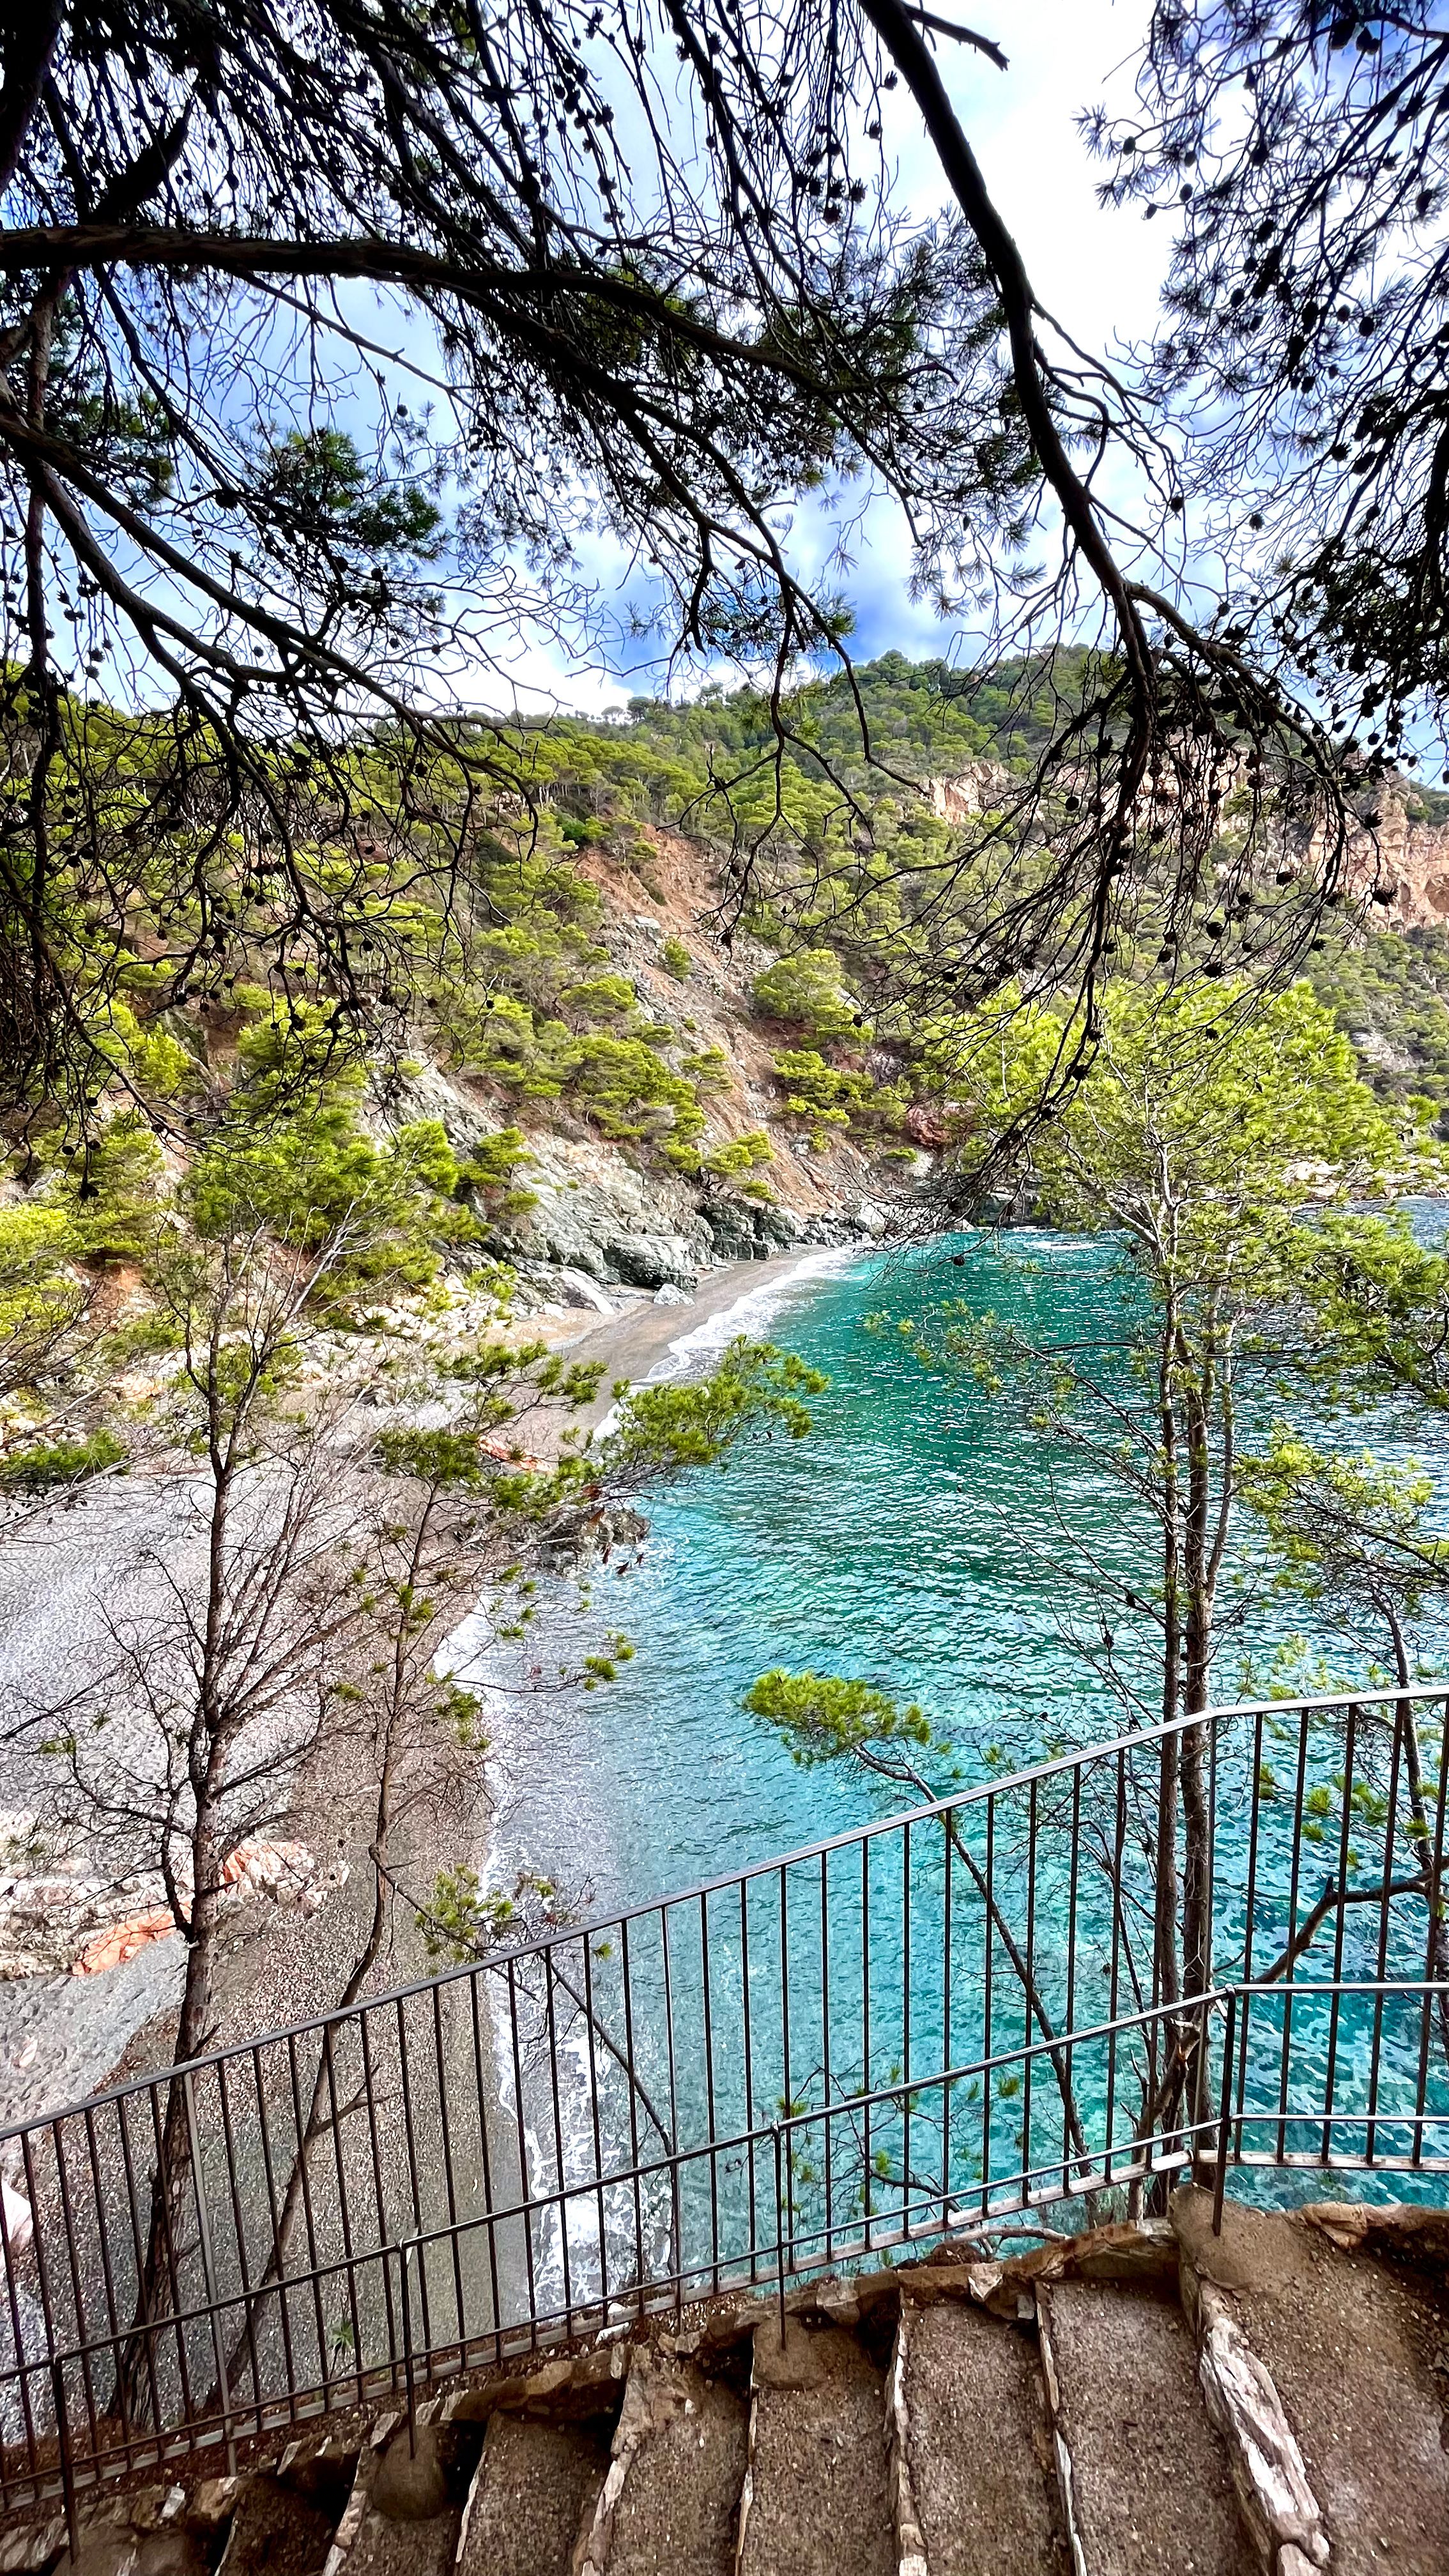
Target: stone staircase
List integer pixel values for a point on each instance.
(1138, 2401)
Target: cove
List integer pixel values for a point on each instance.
(920, 1538)
(915, 1539)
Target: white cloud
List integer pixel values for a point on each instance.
(1097, 271)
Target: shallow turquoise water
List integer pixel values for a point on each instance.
(917, 1538)
(914, 1538)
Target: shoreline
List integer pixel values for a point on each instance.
(648, 1344)
(63, 2037)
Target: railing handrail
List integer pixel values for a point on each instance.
(1197, 2007)
(900, 2023)
(851, 1838)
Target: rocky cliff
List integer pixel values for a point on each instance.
(605, 1216)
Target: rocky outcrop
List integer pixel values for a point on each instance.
(653, 1260)
(585, 1534)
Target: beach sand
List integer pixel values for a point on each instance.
(644, 1340)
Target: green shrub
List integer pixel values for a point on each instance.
(675, 959)
(59, 1462)
(487, 1175)
(807, 988)
(629, 1090)
(742, 1155)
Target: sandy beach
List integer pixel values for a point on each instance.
(638, 1343)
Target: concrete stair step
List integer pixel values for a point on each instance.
(816, 2499)
(1358, 2353)
(278, 2529)
(535, 2487)
(677, 2470)
(405, 2512)
(1145, 2477)
(973, 2473)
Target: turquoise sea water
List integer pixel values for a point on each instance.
(917, 1538)
(921, 1537)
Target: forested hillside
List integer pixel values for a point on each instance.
(723, 1035)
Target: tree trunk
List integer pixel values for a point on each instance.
(160, 2291)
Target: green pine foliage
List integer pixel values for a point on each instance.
(1389, 995)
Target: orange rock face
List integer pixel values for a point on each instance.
(112, 1948)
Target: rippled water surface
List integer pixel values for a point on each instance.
(915, 1538)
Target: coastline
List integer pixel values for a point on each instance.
(647, 1344)
(62, 2037)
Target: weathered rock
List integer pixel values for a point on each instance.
(411, 2480)
(577, 1288)
(731, 1227)
(653, 1260)
(583, 1534)
(1278, 2504)
(776, 1227)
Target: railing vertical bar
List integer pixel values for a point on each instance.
(208, 2266)
(825, 2042)
(1114, 1964)
(404, 2250)
(1387, 1880)
(17, 2339)
(947, 1965)
(1032, 1847)
(906, 2018)
(550, 2024)
(379, 2196)
(405, 2079)
(304, 2175)
(779, 2230)
(1255, 1809)
(988, 1926)
(595, 2122)
(1071, 2009)
(238, 2222)
(161, 2199)
(485, 2159)
(103, 2240)
(1225, 2105)
(264, 2128)
(525, 2186)
(628, 1975)
(865, 1850)
(748, 2033)
(1330, 2071)
(786, 2087)
(1212, 1853)
(1293, 1881)
(63, 2459)
(711, 2125)
(344, 2214)
(676, 2199)
(445, 2128)
(77, 2292)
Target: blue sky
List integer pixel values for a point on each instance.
(1097, 271)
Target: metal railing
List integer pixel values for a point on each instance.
(958, 2020)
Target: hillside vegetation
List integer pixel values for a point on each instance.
(587, 976)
